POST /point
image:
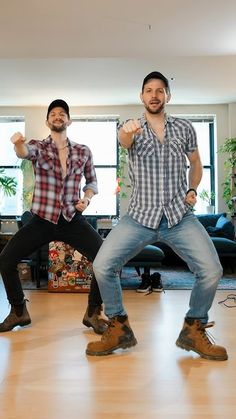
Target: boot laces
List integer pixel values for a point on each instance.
(206, 335)
(108, 331)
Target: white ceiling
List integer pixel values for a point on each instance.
(97, 52)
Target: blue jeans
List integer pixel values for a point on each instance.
(188, 239)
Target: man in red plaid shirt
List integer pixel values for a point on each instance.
(57, 207)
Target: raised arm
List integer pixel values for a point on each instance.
(19, 145)
(127, 131)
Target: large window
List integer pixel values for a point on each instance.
(100, 135)
(204, 127)
(10, 206)
(205, 136)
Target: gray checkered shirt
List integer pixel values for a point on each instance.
(158, 172)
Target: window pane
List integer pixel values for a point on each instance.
(7, 153)
(105, 202)
(99, 136)
(10, 206)
(200, 207)
(202, 129)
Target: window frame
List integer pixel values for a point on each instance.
(17, 163)
(103, 118)
(211, 166)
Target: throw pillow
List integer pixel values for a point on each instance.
(226, 226)
(215, 231)
(209, 219)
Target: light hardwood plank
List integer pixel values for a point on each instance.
(44, 372)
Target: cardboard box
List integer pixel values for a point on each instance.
(24, 271)
(68, 270)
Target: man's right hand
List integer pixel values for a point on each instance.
(17, 138)
(132, 126)
(127, 132)
(20, 146)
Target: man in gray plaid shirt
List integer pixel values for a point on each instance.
(160, 209)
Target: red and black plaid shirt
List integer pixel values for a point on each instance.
(54, 194)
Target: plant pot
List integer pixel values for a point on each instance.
(210, 209)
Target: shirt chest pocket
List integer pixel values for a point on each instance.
(144, 148)
(45, 162)
(176, 149)
(78, 166)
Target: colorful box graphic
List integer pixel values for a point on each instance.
(69, 270)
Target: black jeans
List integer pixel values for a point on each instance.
(78, 233)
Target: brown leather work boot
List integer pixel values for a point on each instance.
(92, 318)
(193, 337)
(118, 335)
(18, 316)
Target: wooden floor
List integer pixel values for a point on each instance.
(45, 373)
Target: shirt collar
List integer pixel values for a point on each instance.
(50, 141)
(168, 119)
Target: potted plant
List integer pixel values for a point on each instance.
(28, 183)
(7, 185)
(209, 198)
(122, 181)
(229, 184)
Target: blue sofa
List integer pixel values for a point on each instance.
(222, 233)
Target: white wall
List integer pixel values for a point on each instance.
(225, 126)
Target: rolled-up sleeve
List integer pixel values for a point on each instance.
(33, 149)
(90, 174)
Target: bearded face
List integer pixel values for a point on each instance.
(154, 107)
(154, 96)
(58, 120)
(57, 126)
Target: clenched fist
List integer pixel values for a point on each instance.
(191, 198)
(133, 126)
(17, 138)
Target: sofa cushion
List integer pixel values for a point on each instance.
(226, 228)
(225, 247)
(215, 231)
(209, 219)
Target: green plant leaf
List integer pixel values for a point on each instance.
(229, 147)
(7, 184)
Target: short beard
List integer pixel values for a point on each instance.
(156, 111)
(56, 128)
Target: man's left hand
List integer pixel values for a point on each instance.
(191, 198)
(82, 204)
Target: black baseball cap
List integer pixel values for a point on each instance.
(59, 103)
(156, 75)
